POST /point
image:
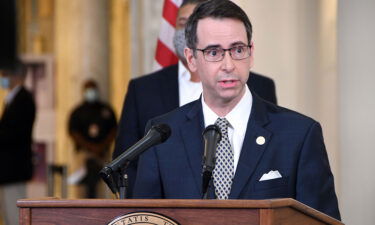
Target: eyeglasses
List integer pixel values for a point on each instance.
(216, 54)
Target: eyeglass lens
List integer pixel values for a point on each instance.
(217, 54)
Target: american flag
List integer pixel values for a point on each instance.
(165, 53)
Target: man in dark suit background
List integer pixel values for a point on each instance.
(16, 125)
(162, 91)
(265, 151)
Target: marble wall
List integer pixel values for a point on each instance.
(356, 47)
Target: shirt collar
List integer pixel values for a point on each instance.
(183, 73)
(237, 117)
(240, 114)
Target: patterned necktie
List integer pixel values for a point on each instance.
(224, 167)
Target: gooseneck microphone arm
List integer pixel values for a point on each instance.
(212, 136)
(156, 135)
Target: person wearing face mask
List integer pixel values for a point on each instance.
(164, 90)
(92, 126)
(16, 126)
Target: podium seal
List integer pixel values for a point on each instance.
(144, 218)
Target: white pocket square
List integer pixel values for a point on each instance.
(273, 174)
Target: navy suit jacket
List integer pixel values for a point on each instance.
(294, 146)
(156, 94)
(16, 125)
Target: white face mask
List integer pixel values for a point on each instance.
(5, 82)
(179, 43)
(91, 95)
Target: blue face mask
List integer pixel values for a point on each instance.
(91, 95)
(4, 82)
(179, 43)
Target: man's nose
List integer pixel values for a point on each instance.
(227, 62)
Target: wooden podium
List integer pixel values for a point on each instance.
(184, 212)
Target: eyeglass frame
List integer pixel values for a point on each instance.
(249, 46)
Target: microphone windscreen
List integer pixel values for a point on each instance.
(214, 128)
(164, 130)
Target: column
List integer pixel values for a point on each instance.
(81, 47)
(120, 52)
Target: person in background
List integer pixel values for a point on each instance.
(164, 90)
(265, 151)
(16, 128)
(92, 126)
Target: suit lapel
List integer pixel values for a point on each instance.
(251, 152)
(191, 132)
(169, 88)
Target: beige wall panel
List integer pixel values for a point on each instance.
(145, 31)
(120, 52)
(81, 45)
(2, 98)
(356, 47)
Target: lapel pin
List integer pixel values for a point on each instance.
(261, 140)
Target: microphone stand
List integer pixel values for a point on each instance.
(212, 136)
(122, 181)
(207, 181)
(156, 135)
(117, 180)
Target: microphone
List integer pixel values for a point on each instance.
(212, 136)
(156, 135)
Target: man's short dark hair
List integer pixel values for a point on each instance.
(215, 9)
(195, 2)
(90, 83)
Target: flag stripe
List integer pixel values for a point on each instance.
(177, 2)
(166, 34)
(156, 66)
(164, 56)
(170, 11)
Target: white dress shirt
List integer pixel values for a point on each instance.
(188, 91)
(10, 96)
(237, 118)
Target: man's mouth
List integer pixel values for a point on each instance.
(228, 83)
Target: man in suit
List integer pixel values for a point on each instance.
(16, 126)
(162, 91)
(265, 151)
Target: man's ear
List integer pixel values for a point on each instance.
(190, 59)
